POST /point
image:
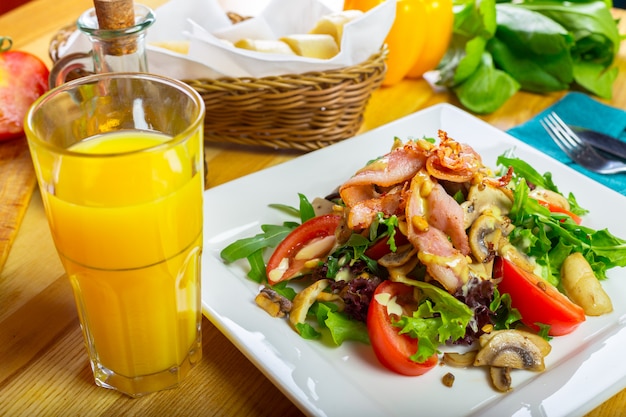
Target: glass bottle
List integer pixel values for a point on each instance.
(113, 50)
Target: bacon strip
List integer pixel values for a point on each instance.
(453, 161)
(363, 213)
(443, 261)
(405, 181)
(447, 215)
(396, 167)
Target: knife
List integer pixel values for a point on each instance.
(601, 141)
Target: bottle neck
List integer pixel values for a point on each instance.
(118, 50)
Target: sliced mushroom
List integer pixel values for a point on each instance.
(460, 360)
(512, 349)
(272, 302)
(513, 254)
(484, 236)
(322, 206)
(397, 273)
(500, 378)
(486, 198)
(304, 300)
(332, 298)
(541, 343)
(400, 257)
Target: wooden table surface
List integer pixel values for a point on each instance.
(44, 369)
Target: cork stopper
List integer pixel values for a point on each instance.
(117, 15)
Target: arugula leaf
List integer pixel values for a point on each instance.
(353, 249)
(282, 288)
(391, 223)
(550, 238)
(306, 208)
(522, 169)
(272, 235)
(292, 211)
(257, 266)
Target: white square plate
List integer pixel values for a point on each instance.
(583, 370)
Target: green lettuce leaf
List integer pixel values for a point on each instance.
(439, 318)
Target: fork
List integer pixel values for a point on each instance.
(580, 152)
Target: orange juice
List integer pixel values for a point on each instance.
(127, 224)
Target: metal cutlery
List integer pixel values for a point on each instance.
(601, 141)
(579, 151)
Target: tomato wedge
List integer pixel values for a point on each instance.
(393, 350)
(557, 209)
(537, 300)
(290, 258)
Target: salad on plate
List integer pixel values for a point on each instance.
(430, 256)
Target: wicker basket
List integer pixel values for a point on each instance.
(302, 112)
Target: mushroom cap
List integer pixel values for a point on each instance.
(486, 198)
(484, 236)
(500, 378)
(512, 349)
(304, 300)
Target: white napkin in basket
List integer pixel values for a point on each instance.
(203, 22)
(362, 38)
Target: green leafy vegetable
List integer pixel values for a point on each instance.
(504, 314)
(304, 212)
(283, 289)
(257, 266)
(342, 328)
(272, 235)
(541, 46)
(252, 248)
(338, 325)
(439, 318)
(551, 237)
(390, 223)
(521, 169)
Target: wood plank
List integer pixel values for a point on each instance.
(17, 182)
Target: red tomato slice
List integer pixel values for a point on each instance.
(284, 263)
(393, 350)
(537, 300)
(556, 209)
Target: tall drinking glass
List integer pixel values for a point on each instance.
(118, 158)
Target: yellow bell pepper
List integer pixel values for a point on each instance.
(439, 29)
(418, 38)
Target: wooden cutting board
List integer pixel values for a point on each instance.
(17, 183)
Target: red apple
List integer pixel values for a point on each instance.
(23, 78)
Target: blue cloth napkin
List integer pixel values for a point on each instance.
(581, 110)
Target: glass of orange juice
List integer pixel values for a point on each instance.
(119, 162)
